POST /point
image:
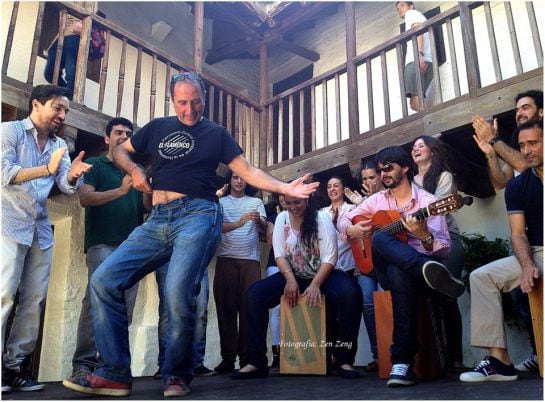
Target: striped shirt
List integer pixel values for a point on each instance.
(24, 205)
(242, 242)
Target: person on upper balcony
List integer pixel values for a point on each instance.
(414, 19)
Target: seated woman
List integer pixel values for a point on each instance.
(305, 246)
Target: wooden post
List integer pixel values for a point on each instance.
(137, 77)
(535, 298)
(83, 55)
(351, 73)
(263, 115)
(9, 39)
(470, 48)
(104, 71)
(198, 35)
(35, 42)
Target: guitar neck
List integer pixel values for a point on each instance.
(397, 226)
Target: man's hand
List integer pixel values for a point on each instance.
(422, 64)
(485, 147)
(249, 216)
(222, 191)
(55, 160)
(354, 196)
(484, 130)
(362, 229)
(527, 277)
(299, 189)
(417, 228)
(126, 184)
(139, 180)
(77, 168)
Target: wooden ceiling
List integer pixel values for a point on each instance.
(241, 27)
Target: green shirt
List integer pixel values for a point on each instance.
(110, 223)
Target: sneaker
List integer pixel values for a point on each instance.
(225, 367)
(490, 369)
(401, 375)
(371, 367)
(79, 373)
(438, 278)
(176, 386)
(202, 371)
(20, 381)
(528, 365)
(5, 387)
(95, 385)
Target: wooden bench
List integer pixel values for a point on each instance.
(303, 338)
(535, 298)
(430, 362)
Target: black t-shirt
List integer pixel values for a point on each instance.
(185, 158)
(524, 195)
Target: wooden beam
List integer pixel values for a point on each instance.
(263, 115)
(198, 13)
(230, 51)
(470, 47)
(351, 70)
(9, 39)
(298, 50)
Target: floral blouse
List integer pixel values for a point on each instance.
(304, 261)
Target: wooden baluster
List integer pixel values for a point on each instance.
(35, 42)
(270, 141)
(470, 48)
(400, 68)
(313, 117)
(60, 44)
(492, 40)
(83, 56)
(385, 89)
(419, 82)
(237, 132)
(153, 92)
(9, 39)
(325, 114)
(104, 71)
(535, 32)
(121, 79)
(137, 77)
(244, 134)
(280, 131)
(453, 62)
(211, 90)
(220, 108)
(435, 65)
(167, 89)
(338, 126)
(302, 122)
(370, 106)
(255, 150)
(513, 36)
(291, 134)
(229, 116)
(351, 70)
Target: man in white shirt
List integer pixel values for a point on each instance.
(413, 19)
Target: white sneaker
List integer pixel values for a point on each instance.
(401, 375)
(529, 365)
(490, 369)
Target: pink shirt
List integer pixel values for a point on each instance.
(384, 201)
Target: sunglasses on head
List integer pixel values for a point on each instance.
(186, 76)
(386, 168)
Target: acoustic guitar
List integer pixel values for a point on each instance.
(390, 222)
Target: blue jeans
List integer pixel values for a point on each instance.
(186, 232)
(199, 345)
(368, 285)
(85, 355)
(341, 292)
(69, 61)
(399, 269)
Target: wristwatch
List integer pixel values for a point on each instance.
(494, 140)
(428, 240)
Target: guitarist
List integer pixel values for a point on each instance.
(404, 269)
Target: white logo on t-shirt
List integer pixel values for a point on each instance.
(176, 145)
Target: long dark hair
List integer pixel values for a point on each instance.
(438, 163)
(309, 226)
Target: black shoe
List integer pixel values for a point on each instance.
(401, 375)
(5, 387)
(371, 367)
(438, 278)
(158, 375)
(348, 374)
(20, 381)
(202, 371)
(275, 365)
(225, 367)
(259, 373)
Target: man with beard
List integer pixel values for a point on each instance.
(33, 159)
(524, 203)
(405, 269)
(112, 210)
(529, 106)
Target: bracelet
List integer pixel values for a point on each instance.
(130, 171)
(47, 168)
(494, 140)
